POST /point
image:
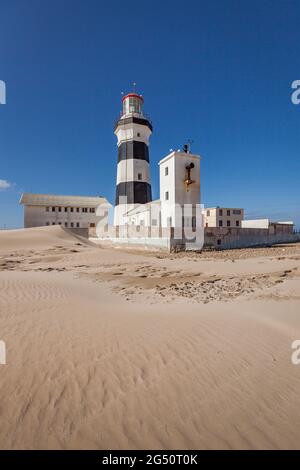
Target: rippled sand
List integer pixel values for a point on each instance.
(109, 349)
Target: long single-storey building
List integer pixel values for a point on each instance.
(74, 212)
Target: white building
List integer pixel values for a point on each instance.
(179, 177)
(67, 211)
(145, 215)
(263, 223)
(267, 223)
(256, 223)
(223, 217)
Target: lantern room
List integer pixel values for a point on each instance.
(133, 104)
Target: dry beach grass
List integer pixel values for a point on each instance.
(111, 349)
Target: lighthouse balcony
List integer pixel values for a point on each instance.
(135, 118)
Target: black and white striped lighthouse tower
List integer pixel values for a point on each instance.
(133, 130)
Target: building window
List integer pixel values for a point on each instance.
(78, 209)
(53, 209)
(208, 213)
(228, 223)
(66, 224)
(59, 223)
(167, 195)
(78, 225)
(166, 171)
(53, 223)
(228, 212)
(59, 209)
(47, 209)
(236, 211)
(139, 176)
(47, 223)
(219, 241)
(66, 209)
(92, 210)
(72, 225)
(92, 225)
(220, 211)
(138, 134)
(237, 223)
(84, 209)
(71, 209)
(220, 223)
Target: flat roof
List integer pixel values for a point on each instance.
(142, 207)
(179, 153)
(31, 199)
(223, 208)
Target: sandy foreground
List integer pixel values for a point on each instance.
(108, 349)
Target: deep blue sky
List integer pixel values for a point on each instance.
(218, 72)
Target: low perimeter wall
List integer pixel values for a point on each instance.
(156, 244)
(227, 238)
(221, 238)
(137, 237)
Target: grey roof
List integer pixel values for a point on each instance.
(142, 207)
(55, 200)
(222, 207)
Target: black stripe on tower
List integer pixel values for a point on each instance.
(137, 192)
(134, 120)
(133, 149)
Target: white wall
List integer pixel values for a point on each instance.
(120, 213)
(37, 216)
(173, 183)
(128, 170)
(130, 132)
(182, 194)
(259, 223)
(146, 216)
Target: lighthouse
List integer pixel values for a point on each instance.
(133, 130)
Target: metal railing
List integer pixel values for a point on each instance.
(133, 115)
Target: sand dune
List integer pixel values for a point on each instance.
(32, 238)
(113, 350)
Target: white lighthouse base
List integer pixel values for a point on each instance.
(121, 211)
